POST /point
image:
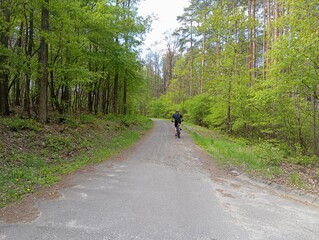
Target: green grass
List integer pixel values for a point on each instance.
(87, 140)
(295, 180)
(261, 158)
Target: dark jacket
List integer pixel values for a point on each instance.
(177, 117)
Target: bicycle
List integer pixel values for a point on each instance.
(178, 130)
(177, 118)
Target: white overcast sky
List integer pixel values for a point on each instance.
(166, 11)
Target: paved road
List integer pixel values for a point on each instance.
(165, 188)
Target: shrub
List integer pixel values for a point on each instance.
(18, 124)
(197, 109)
(269, 154)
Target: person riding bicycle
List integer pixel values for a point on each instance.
(177, 118)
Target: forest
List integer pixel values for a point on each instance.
(248, 68)
(71, 56)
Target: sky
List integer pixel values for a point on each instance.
(167, 12)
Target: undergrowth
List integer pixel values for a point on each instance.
(33, 156)
(260, 158)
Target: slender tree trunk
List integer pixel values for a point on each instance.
(125, 95)
(254, 45)
(115, 90)
(191, 73)
(17, 87)
(103, 97)
(229, 127)
(126, 75)
(4, 72)
(54, 96)
(97, 90)
(65, 98)
(29, 39)
(116, 79)
(252, 41)
(275, 19)
(43, 64)
(90, 101)
(108, 97)
(203, 62)
(266, 38)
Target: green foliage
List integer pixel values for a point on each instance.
(161, 108)
(232, 153)
(263, 158)
(58, 143)
(260, 86)
(198, 108)
(70, 121)
(132, 121)
(18, 124)
(303, 160)
(269, 154)
(86, 118)
(90, 42)
(296, 179)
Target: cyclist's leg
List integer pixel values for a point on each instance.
(176, 125)
(178, 132)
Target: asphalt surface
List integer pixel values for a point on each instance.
(165, 188)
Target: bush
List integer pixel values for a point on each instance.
(161, 108)
(268, 154)
(198, 108)
(87, 118)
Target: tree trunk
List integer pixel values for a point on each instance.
(97, 90)
(4, 72)
(17, 80)
(90, 101)
(108, 97)
(252, 41)
(254, 46)
(54, 96)
(191, 80)
(125, 95)
(65, 98)
(43, 65)
(29, 41)
(266, 37)
(125, 77)
(115, 90)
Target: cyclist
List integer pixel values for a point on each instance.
(177, 118)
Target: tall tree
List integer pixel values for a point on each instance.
(43, 63)
(4, 51)
(169, 59)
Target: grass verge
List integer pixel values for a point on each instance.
(34, 156)
(263, 159)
